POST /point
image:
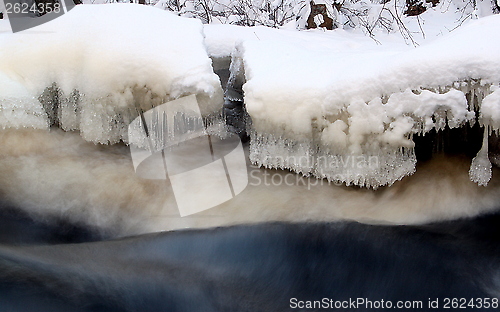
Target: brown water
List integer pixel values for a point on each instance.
(58, 175)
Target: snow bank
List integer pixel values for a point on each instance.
(93, 68)
(315, 108)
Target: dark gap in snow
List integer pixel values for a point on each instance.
(233, 110)
(494, 149)
(465, 140)
(50, 102)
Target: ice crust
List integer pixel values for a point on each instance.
(95, 67)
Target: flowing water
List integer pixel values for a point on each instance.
(55, 175)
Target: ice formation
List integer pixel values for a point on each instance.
(18, 108)
(95, 67)
(332, 105)
(349, 115)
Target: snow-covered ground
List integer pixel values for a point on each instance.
(335, 105)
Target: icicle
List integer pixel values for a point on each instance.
(69, 111)
(480, 169)
(372, 168)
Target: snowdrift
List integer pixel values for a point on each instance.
(348, 114)
(95, 67)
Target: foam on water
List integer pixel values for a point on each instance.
(56, 174)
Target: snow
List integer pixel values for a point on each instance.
(490, 109)
(324, 82)
(335, 105)
(116, 57)
(324, 99)
(330, 104)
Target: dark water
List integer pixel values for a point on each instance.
(63, 267)
(18, 228)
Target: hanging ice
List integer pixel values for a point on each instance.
(314, 108)
(480, 169)
(167, 125)
(170, 142)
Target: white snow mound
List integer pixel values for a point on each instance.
(92, 69)
(328, 112)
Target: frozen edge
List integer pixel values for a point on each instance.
(393, 163)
